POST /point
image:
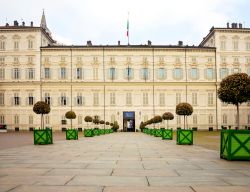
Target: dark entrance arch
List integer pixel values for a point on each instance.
(129, 121)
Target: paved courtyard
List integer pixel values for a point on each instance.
(117, 163)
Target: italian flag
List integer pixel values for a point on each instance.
(127, 28)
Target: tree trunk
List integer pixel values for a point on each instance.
(184, 122)
(238, 116)
(71, 123)
(42, 126)
(167, 123)
(187, 122)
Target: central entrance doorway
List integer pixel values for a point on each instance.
(128, 121)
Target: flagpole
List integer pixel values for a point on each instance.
(128, 28)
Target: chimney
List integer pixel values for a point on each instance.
(23, 23)
(149, 43)
(180, 43)
(7, 25)
(228, 26)
(15, 23)
(232, 25)
(240, 25)
(119, 43)
(89, 43)
(31, 23)
(236, 25)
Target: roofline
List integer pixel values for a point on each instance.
(224, 29)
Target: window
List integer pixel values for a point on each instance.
(30, 44)
(2, 73)
(235, 45)
(224, 119)
(128, 99)
(177, 73)
(31, 120)
(30, 99)
(223, 73)
(96, 99)
(16, 99)
(223, 45)
(248, 72)
(112, 98)
(95, 73)
(63, 73)
(1, 98)
(177, 60)
(79, 99)
(248, 46)
(112, 73)
(47, 98)
(47, 73)
(236, 70)
(46, 60)
(194, 99)
(30, 60)
(16, 119)
(2, 60)
(2, 119)
(209, 73)
(16, 45)
(63, 59)
(79, 73)
(162, 99)
(194, 119)
(193, 59)
(209, 59)
(63, 99)
(47, 119)
(2, 45)
(16, 60)
(145, 98)
(223, 60)
(79, 119)
(210, 99)
(128, 73)
(194, 73)
(145, 73)
(161, 73)
(210, 119)
(31, 73)
(236, 60)
(16, 74)
(178, 98)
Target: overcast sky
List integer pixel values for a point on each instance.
(104, 22)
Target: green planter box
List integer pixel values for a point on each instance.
(71, 134)
(167, 134)
(107, 131)
(43, 136)
(158, 133)
(235, 144)
(102, 132)
(184, 137)
(96, 132)
(152, 132)
(88, 133)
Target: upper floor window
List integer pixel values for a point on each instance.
(96, 99)
(30, 60)
(210, 99)
(128, 73)
(177, 73)
(2, 73)
(47, 73)
(63, 73)
(161, 73)
(31, 73)
(16, 73)
(194, 99)
(223, 45)
(236, 60)
(79, 99)
(210, 119)
(194, 73)
(235, 45)
(162, 99)
(1, 98)
(2, 45)
(145, 73)
(16, 45)
(30, 44)
(223, 72)
(16, 60)
(223, 60)
(209, 73)
(248, 46)
(79, 73)
(2, 60)
(112, 98)
(145, 98)
(30, 99)
(47, 98)
(112, 73)
(2, 121)
(16, 119)
(95, 73)
(128, 99)
(178, 98)
(16, 99)
(63, 100)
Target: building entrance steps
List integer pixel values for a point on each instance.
(120, 162)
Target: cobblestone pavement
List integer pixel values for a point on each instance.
(120, 162)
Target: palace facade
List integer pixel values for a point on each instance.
(124, 83)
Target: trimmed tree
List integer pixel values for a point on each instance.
(70, 115)
(42, 108)
(88, 119)
(96, 121)
(102, 122)
(167, 116)
(184, 109)
(142, 125)
(157, 119)
(115, 126)
(234, 89)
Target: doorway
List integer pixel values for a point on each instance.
(129, 121)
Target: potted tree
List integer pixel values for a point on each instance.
(167, 133)
(88, 132)
(103, 130)
(42, 136)
(96, 129)
(184, 136)
(102, 122)
(142, 127)
(234, 89)
(109, 130)
(71, 133)
(158, 132)
(115, 126)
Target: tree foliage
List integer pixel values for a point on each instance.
(102, 122)
(234, 89)
(88, 119)
(184, 109)
(41, 107)
(115, 126)
(167, 116)
(142, 125)
(107, 123)
(157, 119)
(70, 115)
